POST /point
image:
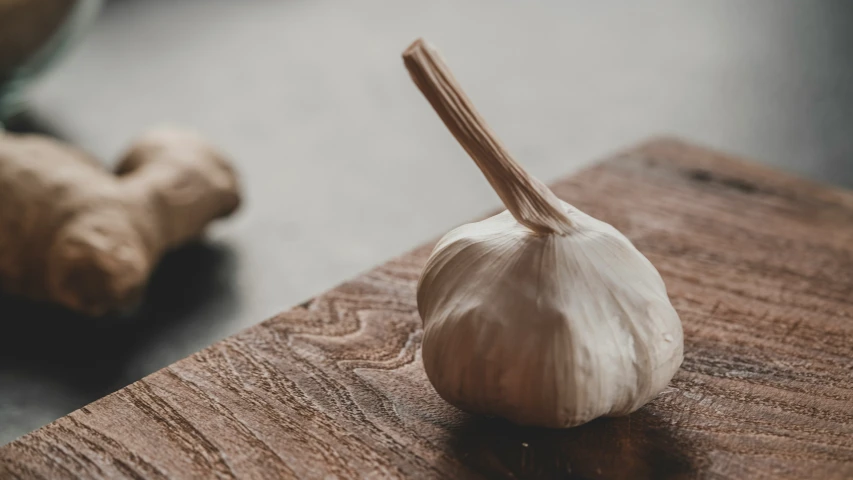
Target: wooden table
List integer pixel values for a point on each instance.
(758, 264)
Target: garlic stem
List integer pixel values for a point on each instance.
(528, 200)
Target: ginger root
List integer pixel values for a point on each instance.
(75, 234)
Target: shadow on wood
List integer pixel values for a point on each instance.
(633, 447)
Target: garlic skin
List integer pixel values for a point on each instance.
(546, 330)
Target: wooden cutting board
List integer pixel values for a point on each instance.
(758, 264)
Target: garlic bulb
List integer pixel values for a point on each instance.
(541, 314)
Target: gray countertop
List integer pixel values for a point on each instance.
(344, 163)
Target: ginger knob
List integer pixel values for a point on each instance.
(78, 235)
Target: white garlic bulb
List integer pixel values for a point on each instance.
(541, 314)
(549, 330)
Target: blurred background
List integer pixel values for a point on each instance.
(345, 165)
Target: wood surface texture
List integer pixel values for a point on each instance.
(758, 264)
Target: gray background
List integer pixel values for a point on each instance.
(344, 164)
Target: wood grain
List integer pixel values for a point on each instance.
(759, 265)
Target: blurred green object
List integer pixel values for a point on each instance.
(34, 35)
